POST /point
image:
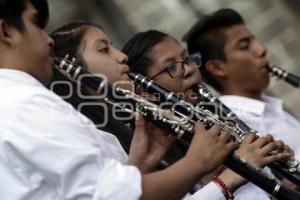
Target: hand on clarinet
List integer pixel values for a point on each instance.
(149, 145)
(210, 147)
(257, 151)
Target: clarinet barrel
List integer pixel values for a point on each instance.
(280, 73)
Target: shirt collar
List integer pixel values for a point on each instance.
(274, 105)
(257, 107)
(244, 104)
(18, 76)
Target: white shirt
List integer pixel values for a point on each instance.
(211, 191)
(267, 117)
(49, 151)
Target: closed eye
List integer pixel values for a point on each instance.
(244, 46)
(104, 50)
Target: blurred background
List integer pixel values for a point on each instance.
(274, 22)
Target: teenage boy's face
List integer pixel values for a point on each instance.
(34, 46)
(246, 60)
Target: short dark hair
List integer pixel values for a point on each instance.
(11, 12)
(139, 48)
(207, 37)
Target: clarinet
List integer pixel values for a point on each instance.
(289, 168)
(280, 73)
(177, 126)
(226, 113)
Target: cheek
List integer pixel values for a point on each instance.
(172, 85)
(240, 65)
(98, 65)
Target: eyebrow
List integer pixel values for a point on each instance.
(102, 41)
(183, 52)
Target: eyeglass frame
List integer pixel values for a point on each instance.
(194, 58)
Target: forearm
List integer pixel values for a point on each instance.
(173, 182)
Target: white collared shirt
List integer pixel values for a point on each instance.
(267, 117)
(49, 151)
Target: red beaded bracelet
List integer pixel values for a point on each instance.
(226, 191)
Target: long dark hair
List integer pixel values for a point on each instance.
(68, 39)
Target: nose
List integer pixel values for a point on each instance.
(50, 41)
(261, 50)
(120, 56)
(189, 70)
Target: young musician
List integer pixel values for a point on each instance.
(161, 58)
(50, 151)
(234, 63)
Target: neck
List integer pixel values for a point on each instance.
(10, 62)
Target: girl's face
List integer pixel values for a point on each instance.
(101, 57)
(166, 53)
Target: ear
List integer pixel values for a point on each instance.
(6, 32)
(216, 68)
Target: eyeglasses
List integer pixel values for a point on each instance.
(177, 69)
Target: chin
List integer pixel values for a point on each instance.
(266, 82)
(191, 97)
(47, 79)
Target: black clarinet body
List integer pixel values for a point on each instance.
(280, 73)
(180, 129)
(250, 171)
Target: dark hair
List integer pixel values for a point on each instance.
(207, 37)
(139, 47)
(68, 39)
(11, 12)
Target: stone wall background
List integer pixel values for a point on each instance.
(274, 22)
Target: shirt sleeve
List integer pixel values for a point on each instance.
(54, 149)
(210, 191)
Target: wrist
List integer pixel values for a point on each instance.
(228, 193)
(232, 180)
(139, 164)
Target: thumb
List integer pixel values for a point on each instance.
(139, 124)
(199, 128)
